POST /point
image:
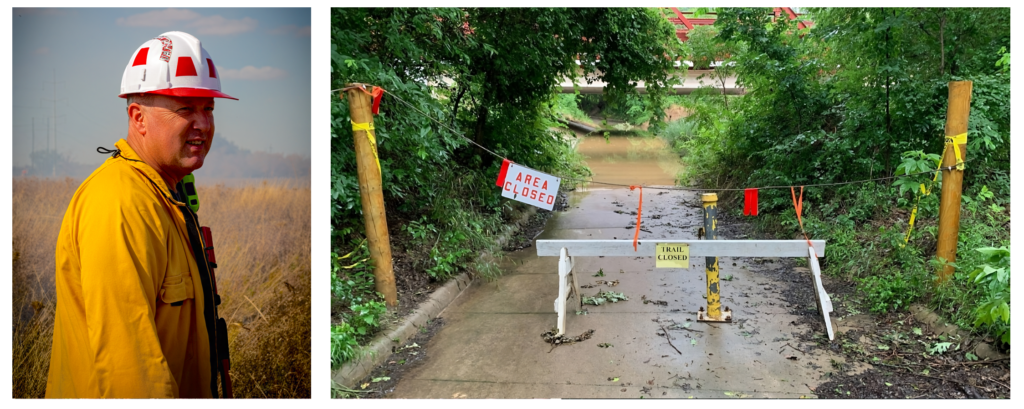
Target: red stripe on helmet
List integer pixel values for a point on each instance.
(213, 71)
(140, 58)
(187, 92)
(185, 68)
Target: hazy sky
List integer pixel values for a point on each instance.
(262, 55)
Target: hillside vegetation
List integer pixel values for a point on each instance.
(862, 94)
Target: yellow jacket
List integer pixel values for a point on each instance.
(123, 260)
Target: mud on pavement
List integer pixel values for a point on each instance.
(890, 355)
(491, 345)
(648, 343)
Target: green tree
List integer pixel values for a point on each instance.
(846, 98)
(494, 71)
(707, 49)
(483, 72)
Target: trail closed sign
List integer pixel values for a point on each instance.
(527, 185)
(672, 255)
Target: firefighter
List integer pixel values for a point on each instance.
(135, 305)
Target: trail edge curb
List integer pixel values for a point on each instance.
(380, 348)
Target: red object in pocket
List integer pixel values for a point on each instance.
(750, 202)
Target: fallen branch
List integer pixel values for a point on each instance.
(677, 326)
(995, 382)
(787, 345)
(669, 339)
(555, 341)
(989, 361)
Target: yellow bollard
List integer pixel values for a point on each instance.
(714, 312)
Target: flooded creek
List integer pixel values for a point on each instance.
(629, 160)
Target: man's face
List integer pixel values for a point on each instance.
(179, 131)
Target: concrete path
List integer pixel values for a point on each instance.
(491, 346)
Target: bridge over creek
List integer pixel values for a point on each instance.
(693, 80)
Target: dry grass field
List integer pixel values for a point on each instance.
(262, 237)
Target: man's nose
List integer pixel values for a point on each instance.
(203, 121)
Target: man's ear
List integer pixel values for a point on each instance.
(136, 118)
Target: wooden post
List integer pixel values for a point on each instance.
(371, 194)
(957, 112)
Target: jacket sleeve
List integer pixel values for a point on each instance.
(124, 254)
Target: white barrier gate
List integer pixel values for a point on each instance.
(568, 249)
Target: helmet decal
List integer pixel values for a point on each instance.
(213, 71)
(140, 58)
(185, 67)
(165, 56)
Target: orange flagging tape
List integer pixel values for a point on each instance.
(639, 209)
(376, 95)
(799, 205)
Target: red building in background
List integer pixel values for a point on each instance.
(685, 20)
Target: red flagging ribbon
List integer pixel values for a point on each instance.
(639, 209)
(799, 205)
(750, 202)
(377, 93)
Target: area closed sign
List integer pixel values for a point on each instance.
(672, 255)
(527, 185)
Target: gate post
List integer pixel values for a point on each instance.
(371, 193)
(714, 312)
(957, 113)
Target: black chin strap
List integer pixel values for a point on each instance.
(114, 153)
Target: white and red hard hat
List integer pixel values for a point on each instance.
(174, 64)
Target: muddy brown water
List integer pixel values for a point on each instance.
(629, 160)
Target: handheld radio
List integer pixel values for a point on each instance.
(192, 199)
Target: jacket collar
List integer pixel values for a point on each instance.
(133, 160)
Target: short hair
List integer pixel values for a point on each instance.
(141, 99)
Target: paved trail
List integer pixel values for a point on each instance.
(491, 345)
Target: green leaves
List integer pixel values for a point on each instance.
(939, 347)
(604, 297)
(1004, 60)
(994, 276)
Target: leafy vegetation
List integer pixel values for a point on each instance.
(353, 286)
(994, 278)
(605, 297)
(862, 94)
(489, 74)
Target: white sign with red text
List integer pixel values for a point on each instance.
(529, 186)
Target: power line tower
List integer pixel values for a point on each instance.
(56, 153)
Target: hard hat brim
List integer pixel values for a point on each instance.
(187, 92)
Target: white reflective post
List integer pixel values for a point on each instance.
(824, 301)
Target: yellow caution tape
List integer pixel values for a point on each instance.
(368, 126)
(957, 140)
(951, 142)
